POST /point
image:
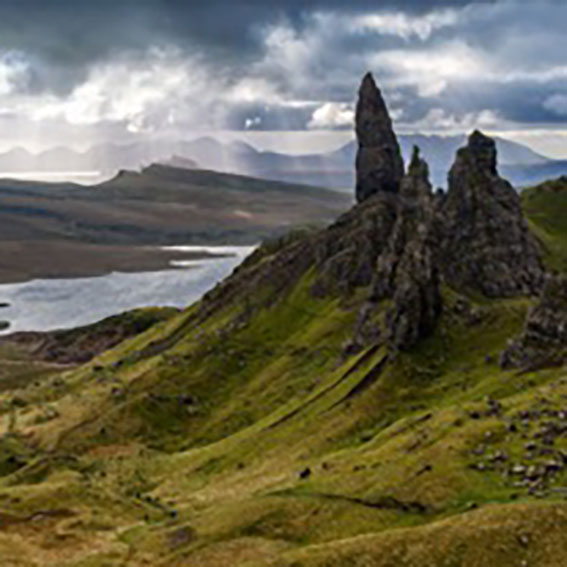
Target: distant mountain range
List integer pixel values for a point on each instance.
(335, 169)
(332, 169)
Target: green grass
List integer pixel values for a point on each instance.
(545, 206)
(189, 452)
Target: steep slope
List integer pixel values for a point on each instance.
(544, 206)
(334, 402)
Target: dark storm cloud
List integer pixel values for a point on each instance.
(274, 65)
(67, 36)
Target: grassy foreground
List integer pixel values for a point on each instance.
(230, 441)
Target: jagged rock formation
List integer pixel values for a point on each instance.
(401, 241)
(347, 252)
(379, 163)
(406, 270)
(411, 263)
(414, 212)
(544, 338)
(487, 244)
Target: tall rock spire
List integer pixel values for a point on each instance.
(487, 245)
(407, 271)
(379, 162)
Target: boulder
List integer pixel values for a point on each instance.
(544, 338)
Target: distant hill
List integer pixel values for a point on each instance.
(182, 162)
(68, 230)
(163, 205)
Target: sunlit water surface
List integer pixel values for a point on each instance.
(43, 305)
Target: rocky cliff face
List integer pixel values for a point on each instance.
(379, 163)
(408, 270)
(544, 339)
(487, 246)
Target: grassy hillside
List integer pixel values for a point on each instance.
(545, 206)
(238, 433)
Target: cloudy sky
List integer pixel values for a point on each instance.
(75, 72)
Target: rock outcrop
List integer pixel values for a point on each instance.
(379, 163)
(415, 287)
(400, 242)
(414, 219)
(346, 254)
(407, 271)
(487, 245)
(544, 338)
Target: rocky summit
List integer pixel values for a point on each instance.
(389, 390)
(487, 246)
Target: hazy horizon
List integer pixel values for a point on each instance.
(282, 77)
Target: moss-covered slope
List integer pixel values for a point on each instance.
(252, 430)
(222, 439)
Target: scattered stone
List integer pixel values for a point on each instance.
(479, 450)
(518, 469)
(305, 473)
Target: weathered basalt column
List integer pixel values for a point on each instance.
(379, 163)
(487, 246)
(410, 263)
(406, 271)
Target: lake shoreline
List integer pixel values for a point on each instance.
(46, 304)
(25, 261)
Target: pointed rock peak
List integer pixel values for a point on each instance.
(418, 167)
(379, 163)
(368, 87)
(488, 246)
(415, 159)
(483, 150)
(415, 186)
